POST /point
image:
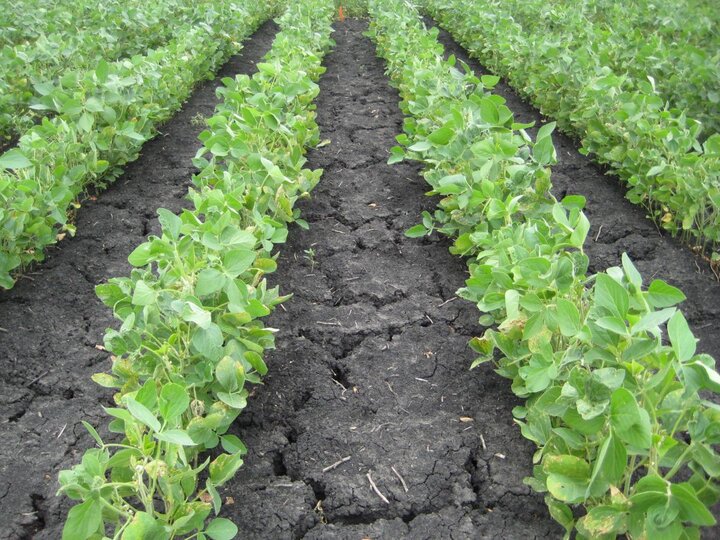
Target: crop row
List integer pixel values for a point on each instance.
(691, 21)
(623, 122)
(616, 414)
(103, 118)
(685, 71)
(30, 71)
(24, 21)
(192, 338)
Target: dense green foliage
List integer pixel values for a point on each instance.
(641, 39)
(191, 338)
(352, 8)
(623, 118)
(24, 21)
(101, 119)
(111, 31)
(615, 412)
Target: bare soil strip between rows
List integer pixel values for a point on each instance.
(52, 321)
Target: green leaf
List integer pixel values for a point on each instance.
(397, 154)
(170, 222)
(609, 466)
(140, 255)
(174, 401)
(546, 130)
(489, 111)
(209, 281)
(567, 477)
(416, 231)
(682, 339)
(615, 325)
(663, 295)
(652, 321)
(106, 380)
(175, 436)
(544, 151)
(420, 146)
(221, 529)
(602, 521)
(216, 500)
(489, 81)
(649, 490)
(232, 444)
(256, 361)
(208, 341)
(144, 295)
(702, 374)
(579, 234)
(93, 433)
(86, 122)
(144, 527)
(238, 261)
(612, 296)
(142, 413)
(561, 513)
(441, 136)
(691, 509)
(14, 159)
(83, 520)
(236, 401)
(191, 312)
(226, 374)
(269, 265)
(631, 273)
(629, 422)
(224, 467)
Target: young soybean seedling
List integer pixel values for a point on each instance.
(310, 256)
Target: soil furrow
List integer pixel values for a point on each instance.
(617, 225)
(370, 363)
(52, 322)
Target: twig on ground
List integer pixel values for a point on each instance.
(336, 464)
(482, 441)
(598, 233)
(331, 323)
(376, 490)
(36, 379)
(339, 384)
(402, 481)
(448, 301)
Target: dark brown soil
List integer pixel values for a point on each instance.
(372, 359)
(371, 364)
(52, 321)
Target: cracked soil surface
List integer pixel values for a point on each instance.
(369, 384)
(372, 358)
